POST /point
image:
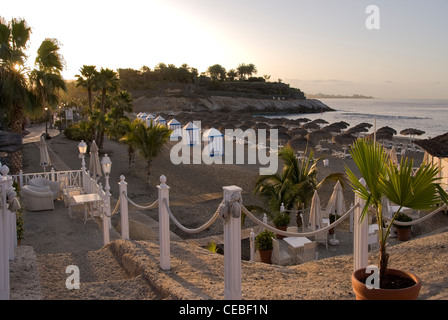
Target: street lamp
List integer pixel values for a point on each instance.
(82, 147)
(46, 123)
(106, 164)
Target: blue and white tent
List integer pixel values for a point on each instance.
(213, 142)
(190, 134)
(160, 120)
(148, 119)
(176, 127)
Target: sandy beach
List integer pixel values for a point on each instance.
(187, 182)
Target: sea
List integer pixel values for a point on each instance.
(428, 115)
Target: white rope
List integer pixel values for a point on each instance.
(199, 229)
(410, 223)
(297, 234)
(141, 206)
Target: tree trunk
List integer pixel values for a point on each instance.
(384, 260)
(16, 125)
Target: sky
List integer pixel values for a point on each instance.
(319, 46)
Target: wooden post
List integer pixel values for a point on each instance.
(361, 230)
(164, 224)
(232, 248)
(123, 189)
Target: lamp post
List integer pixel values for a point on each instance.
(46, 123)
(82, 147)
(106, 164)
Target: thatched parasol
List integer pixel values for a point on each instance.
(344, 138)
(437, 146)
(319, 135)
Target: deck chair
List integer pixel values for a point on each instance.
(308, 253)
(279, 257)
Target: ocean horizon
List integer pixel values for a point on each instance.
(429, 115)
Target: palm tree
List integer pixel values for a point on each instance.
(87, 79)
(296, 184)
(46, 81)
(148, 140)
(15, 95)
(419, 191)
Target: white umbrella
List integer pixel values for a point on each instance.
(94, 164)
(315, 221)
(336, 204)
(45, 160)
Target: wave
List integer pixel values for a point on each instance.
(382, 116)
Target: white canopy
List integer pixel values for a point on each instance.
(214, 141)
(190, 134)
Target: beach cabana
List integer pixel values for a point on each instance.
(149, 118)
(160, 120)
(190, 134)
(213, 142)
(176, 128)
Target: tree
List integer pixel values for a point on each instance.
(16, 96)
(87, 79)
(296, 184)
(217, 72)
(46, 80)
(148, 140)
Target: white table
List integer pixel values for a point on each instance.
(86, 199)
(296, 243)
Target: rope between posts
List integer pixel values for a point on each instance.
(297, 234)
(141, 206)
(410, 223)
(199, 229)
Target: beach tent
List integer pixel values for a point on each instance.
(190, 134)
(148, 119)
(142, 115)
(160, 120)
(176, 128)
(214, 142)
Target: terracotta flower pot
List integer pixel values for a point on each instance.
(279, 236)
(403, 234)
(363, 293)
(265, 256)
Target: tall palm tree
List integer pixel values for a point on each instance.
(47, 80)
(87, 79)
(296, 184)
(148, 140)
(15, 96)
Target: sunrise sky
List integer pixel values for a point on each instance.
(317, 46)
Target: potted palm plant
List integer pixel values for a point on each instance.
(263, 241)
(403, 232)
(420, 190)
(281, 221)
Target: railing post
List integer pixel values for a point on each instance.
(123, 189)
(361, 230)
(232, 247)
(4, 236)
(164, 224)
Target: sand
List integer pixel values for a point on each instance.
(198, 273)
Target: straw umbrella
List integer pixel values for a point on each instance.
(45, 160)
(94, 163)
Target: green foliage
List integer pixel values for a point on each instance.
(282, 219)
(402, 217)
(79, 131)
(263, 240)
